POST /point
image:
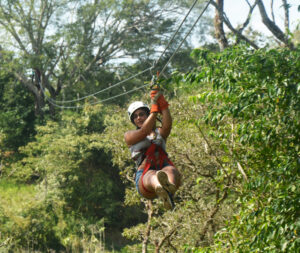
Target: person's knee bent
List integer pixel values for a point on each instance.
(171, 170)
(144, 192)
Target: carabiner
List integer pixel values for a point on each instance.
(154, 82)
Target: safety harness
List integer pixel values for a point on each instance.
(151, 159)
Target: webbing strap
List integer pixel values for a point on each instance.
(151, 159)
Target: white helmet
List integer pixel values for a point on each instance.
(136, 105)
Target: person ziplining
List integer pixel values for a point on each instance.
(156, 176)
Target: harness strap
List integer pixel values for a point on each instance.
(151, 159)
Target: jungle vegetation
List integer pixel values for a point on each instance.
(66, 178)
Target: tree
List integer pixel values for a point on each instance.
(253, 111)
(235, 139)
(37, 52)
(282, 36)
(16, 115)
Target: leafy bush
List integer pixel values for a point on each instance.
(235, 139)
(25, 221)
(17, 119)
(73, 172)
(252, 99)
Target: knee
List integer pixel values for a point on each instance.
(146, 193)
(174, 175)
(173, 170)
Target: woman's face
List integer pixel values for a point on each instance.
(139, 117)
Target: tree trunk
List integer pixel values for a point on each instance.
(272, 26)
(286, 16)
(218, 22)
(237, 32)
(39, 104)
(42, 83)
(34, 88)
(148, 228)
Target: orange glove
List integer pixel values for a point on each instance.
(155, 94)
(154, 108)
(162, 103)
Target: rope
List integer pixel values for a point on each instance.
(189, 32)
(188, 13)
(99, 101)
(54, 102)
(98, 92)
(117, 84)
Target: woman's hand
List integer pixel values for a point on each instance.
(155, 95)
(162, 102)
(158, 98)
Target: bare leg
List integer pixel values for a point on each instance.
(151, 182)
(174, 175)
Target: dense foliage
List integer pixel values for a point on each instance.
(253, 108)
(17, 117)
(77, 190)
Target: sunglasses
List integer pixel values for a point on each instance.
(141, 114)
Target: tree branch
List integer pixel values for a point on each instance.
(248, 17)
(272, 11)
(236, 32)
(212, 214)
(272, 26)
(195, 166)
(148, 227)
(10, 27)
(242, 171)
(26, 83)
(166, 237)
(218, 22)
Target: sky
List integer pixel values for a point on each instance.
(237, 11)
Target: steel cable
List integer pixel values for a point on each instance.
(54, 102)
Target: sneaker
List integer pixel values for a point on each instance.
(162, 178)
(164, 196)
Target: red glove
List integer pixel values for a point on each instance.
(162, 103)
(154, 108)
(155, 94)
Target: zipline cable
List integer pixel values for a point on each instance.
(140, 73)
(100, 101)
(98, 92)
(130, 91)
(189, 32)
(173, 37)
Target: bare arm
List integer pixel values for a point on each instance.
(165, 130)
(134, 136)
